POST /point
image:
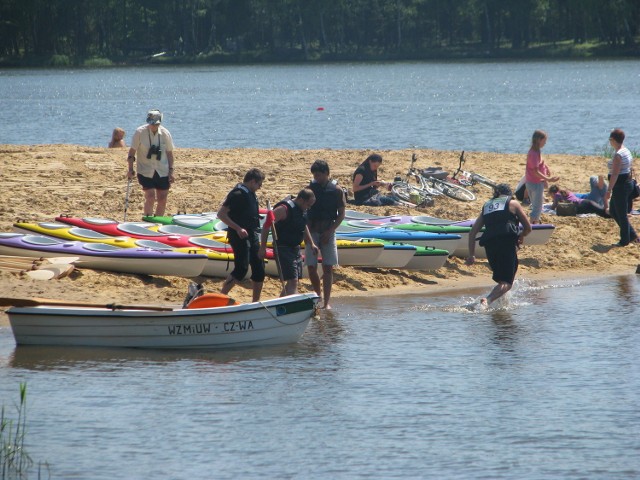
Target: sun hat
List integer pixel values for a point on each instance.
(154, 117)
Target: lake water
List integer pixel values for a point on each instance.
(481, 106)
(546, 387)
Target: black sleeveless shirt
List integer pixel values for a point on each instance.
(325, 210)
(291, 229)
(498, 220)
(243, 207)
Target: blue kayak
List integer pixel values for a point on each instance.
(442, 241)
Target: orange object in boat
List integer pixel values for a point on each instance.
(211, 300)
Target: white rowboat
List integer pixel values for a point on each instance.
(271, 322)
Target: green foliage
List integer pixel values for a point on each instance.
(294, 30)
(59, 61)
(98, 62)
(15, 462)
(606, 151)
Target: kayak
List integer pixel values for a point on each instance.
(442, 241)
(139, 230)
(398, 223)
(100, 256)
(540, 233)
(197, 222)
(220, 255)
(422, 258)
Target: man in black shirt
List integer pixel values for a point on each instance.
(290, 223)
(324, 217)
(240, 212)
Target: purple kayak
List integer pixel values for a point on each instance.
(100, 256)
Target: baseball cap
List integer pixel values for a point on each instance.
(154, 117)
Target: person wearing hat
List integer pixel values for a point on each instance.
(154, 147)
(501, 239)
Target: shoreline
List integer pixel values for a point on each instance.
(41, 182)
(481, 282)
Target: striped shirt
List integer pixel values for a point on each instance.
(626, 163)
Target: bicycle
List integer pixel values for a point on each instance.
(413, 190)
(434, 180)
(471, 178)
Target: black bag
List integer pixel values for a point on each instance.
(635, 193)
(566, 209)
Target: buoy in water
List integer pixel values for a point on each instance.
(320, 109)
(211, 300)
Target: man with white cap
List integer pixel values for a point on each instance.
(154, 146)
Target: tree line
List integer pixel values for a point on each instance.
(204, 30)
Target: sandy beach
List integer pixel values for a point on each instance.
(41, 182)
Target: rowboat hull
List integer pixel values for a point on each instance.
(271, 322)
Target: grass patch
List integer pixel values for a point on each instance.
(97, 62)
(15, 462)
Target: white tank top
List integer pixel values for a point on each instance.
(627, 161)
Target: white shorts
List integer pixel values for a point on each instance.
(328, 251)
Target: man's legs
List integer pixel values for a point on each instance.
(327, 283)
(162, 196)
(499, 290)
(149, 200)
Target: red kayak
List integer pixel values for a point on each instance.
(173, 235)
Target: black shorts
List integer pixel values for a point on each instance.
(290, 261)
(157, 182)
(245, 253)
(502, 253)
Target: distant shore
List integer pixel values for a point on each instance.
(565, 50)
(41, 182)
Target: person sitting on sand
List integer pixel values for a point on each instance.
(597, 191)
(366, 183)
(501, 239)
(117, 138)
(583, 205)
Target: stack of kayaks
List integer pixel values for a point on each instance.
(219, 262)
(101, 256)
(415, 251)
(539, 236)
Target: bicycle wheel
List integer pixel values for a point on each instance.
(429, 187)
(454, 191)
(411, 195)
(482, 180)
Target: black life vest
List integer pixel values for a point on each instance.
(498, 220)
(326, 206)
(291, 230)
(368, 176)
(245, 214)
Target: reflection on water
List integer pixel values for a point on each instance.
(543, 385)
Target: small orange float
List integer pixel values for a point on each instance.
(211, 300)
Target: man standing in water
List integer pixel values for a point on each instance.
(324, 218)
(154, 146)
(501, 239)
